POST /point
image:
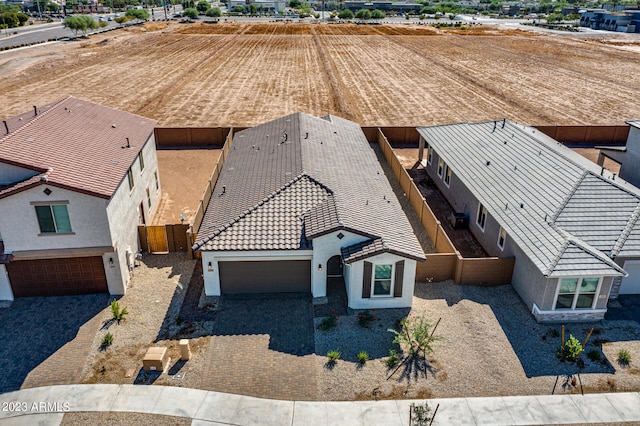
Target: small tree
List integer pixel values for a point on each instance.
(203, 6)
(140, 14)
(214, 12)
(237, 9)
(345, 14)
(295, 4)
(377, 14)
(190, 13)
(415, 333)
(253, 8)
(80, 23)
(363, 14)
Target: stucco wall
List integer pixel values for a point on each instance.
(356, 271)
(324, 248)
(12, 174)
(122, 210)
(19, 225)
(630, 168)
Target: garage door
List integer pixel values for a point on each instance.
(631, 284)
(57, 277)
(281, 276)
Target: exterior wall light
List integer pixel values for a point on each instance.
(111, 261)
(209, 267)
(319, 266)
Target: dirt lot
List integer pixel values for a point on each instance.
(183, 174)
(243, 74)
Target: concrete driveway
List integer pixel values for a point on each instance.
(263, 345)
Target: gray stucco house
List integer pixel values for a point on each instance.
(570, 225)
(301, 200)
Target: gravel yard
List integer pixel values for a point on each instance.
(491, 346)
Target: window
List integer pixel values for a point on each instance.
(148, 198)
(382, 280)
(440, 166)
(482, 216)
(141, 159)
(447, 175)
(155, 175)
(53, 219)
(131, 182)
(577, 293)
(501, 237)
(429, 154)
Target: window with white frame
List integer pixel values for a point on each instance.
(502, 236)
(429, 154)
(482, 216)
(447, 175)
(577, 293)
(53, 219)
(382, 280)
(440, 167)
(131, 181)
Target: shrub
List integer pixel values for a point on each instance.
(118, 314)
(624, 357)
(345, 14)
(594, 355)
(365, 317)
(393, 359)
(107, 340)
(377, 14)
(421, 414)
(140, 14)
(363, 357)
(363, 14)
(190, 13)
(214, 12)
(333, 356)
(329, 322)
(203, 6)
(571, 349)
(415, 332)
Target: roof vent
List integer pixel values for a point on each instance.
(613, 176)
(506, 206)
(488, 163)
(505, 141)
(495, 123)
(113, 126)
(35, 110)
(44, 179)
(504, 121)
(521, 205)
(224, 189)
(540, 152)
(128, 145)
(6, 126)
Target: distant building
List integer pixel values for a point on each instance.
(274, 6)
(385, 6)
(599, 19)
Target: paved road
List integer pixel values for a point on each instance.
(39, 34)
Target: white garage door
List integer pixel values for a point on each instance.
(631, 284)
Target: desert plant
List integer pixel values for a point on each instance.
(329, 322)
(118, 314)
(594, 355)
(393, 359)
(365, 317)
(214, 12)
(363, 357)
(416, 333)
(107, 340)
(420, 414)
(190, 12)
(333, 356)
(624, 357)
(571, 349)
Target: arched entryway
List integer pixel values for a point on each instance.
(334, 267)
(336, 291)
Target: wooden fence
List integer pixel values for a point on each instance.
(446, 263)
(164, 238)
(191, 137)
(587, 135)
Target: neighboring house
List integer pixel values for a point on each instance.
(627, 156)
(301, 200)
(76, 178)
(571, 226)
(627, 21)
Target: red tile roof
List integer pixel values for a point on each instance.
(81, 145)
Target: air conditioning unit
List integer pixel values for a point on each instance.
(458, 220)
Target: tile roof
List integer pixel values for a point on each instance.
(78, 144)
(552, 202)
(634, 123)
(332, 151)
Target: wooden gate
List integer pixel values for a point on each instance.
(157, 238)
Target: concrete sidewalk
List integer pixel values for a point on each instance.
(47, 405)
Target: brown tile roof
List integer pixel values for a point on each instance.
(78, 144)
(332, 151)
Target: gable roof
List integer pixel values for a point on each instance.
(74, 144)
(552, 202)
(330, 151)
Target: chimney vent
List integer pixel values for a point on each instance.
(6, 126)
(35, 110)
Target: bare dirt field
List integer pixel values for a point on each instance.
(183, 175)
(244, 74)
